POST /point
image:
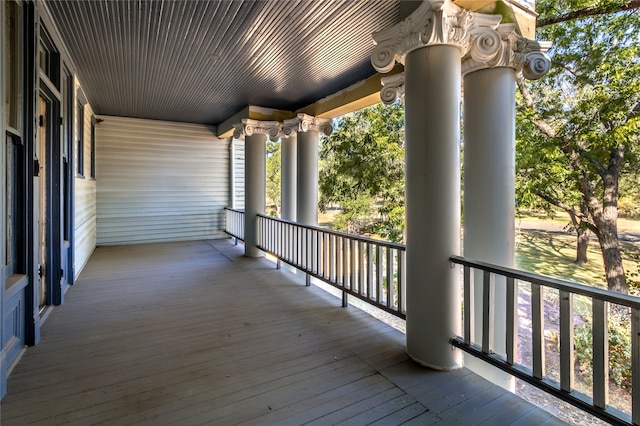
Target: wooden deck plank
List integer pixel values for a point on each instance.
(192, 333)
(317, 407)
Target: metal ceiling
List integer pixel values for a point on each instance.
(202, 61)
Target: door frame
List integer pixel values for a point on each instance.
(54, 182)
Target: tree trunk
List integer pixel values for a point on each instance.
(582, 242)
(613, 268)
(582, 245)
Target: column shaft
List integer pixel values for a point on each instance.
(307, 184)
(288, 177)
(255, 173)
(489, 184)
(432, 126)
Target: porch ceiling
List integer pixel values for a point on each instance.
(203, 61)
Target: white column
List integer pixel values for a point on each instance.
(307, 183)
(255, 172)
(255, 176)
(489, 195)
(288, 177)
(430, 43)
(232, 174)
(308, 129)
(489, 166)
(432, 200)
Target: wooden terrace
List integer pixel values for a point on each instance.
(196, 333)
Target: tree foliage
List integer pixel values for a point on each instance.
(274, 202)
(578, 128)
(362, 171)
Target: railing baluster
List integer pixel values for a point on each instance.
(378, 274)
(512, 320)
(402, 283)
(325, 255)
(600, 333)
(389, 300)
(566, 341)
(487, 312)
(352, 265)
(635, 366)
(318, 265)
(361, 268)
(537, 331)
(310, 246)
(369, 271)
(339, 261)
(345, 263)
(469, 325)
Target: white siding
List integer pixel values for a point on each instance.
(85, 200)
(159, 181)
(238, 173)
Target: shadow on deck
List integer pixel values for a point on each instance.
(195, 333)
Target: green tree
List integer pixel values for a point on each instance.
(362, 171)
(274, 201)
(578, 128)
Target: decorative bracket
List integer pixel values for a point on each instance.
(393, 88)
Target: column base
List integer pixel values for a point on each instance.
(432, 366)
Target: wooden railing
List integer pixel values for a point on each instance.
(234, 223)
(374, 271)
(371, 270)
(599, 302)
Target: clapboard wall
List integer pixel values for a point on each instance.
(238, 173)
(159, 181)
(85, 199)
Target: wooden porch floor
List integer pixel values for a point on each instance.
(195, 333)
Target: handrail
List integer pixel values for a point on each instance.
(234, 223)
(595, 404)
(368, 269)
(558, 284)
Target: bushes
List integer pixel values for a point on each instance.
(619, 349)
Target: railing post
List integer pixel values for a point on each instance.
(512, 320)
(566, 341)
(488, 290)
(469, 324)
(600, 333)
(537, 331)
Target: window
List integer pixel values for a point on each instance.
(80, 132)
(13, 65)
(93, 148)
(49, 58)
(15, 225)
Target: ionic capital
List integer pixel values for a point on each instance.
(304, 123)
(250, 127)
(503, 47)
(531, 56)
(393, 88)
(434, 22)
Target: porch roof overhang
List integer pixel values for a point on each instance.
(211, 62)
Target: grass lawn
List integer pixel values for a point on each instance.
(553, 255)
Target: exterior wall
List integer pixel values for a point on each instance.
(159, 181)
(85, 198)
(238, 173)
